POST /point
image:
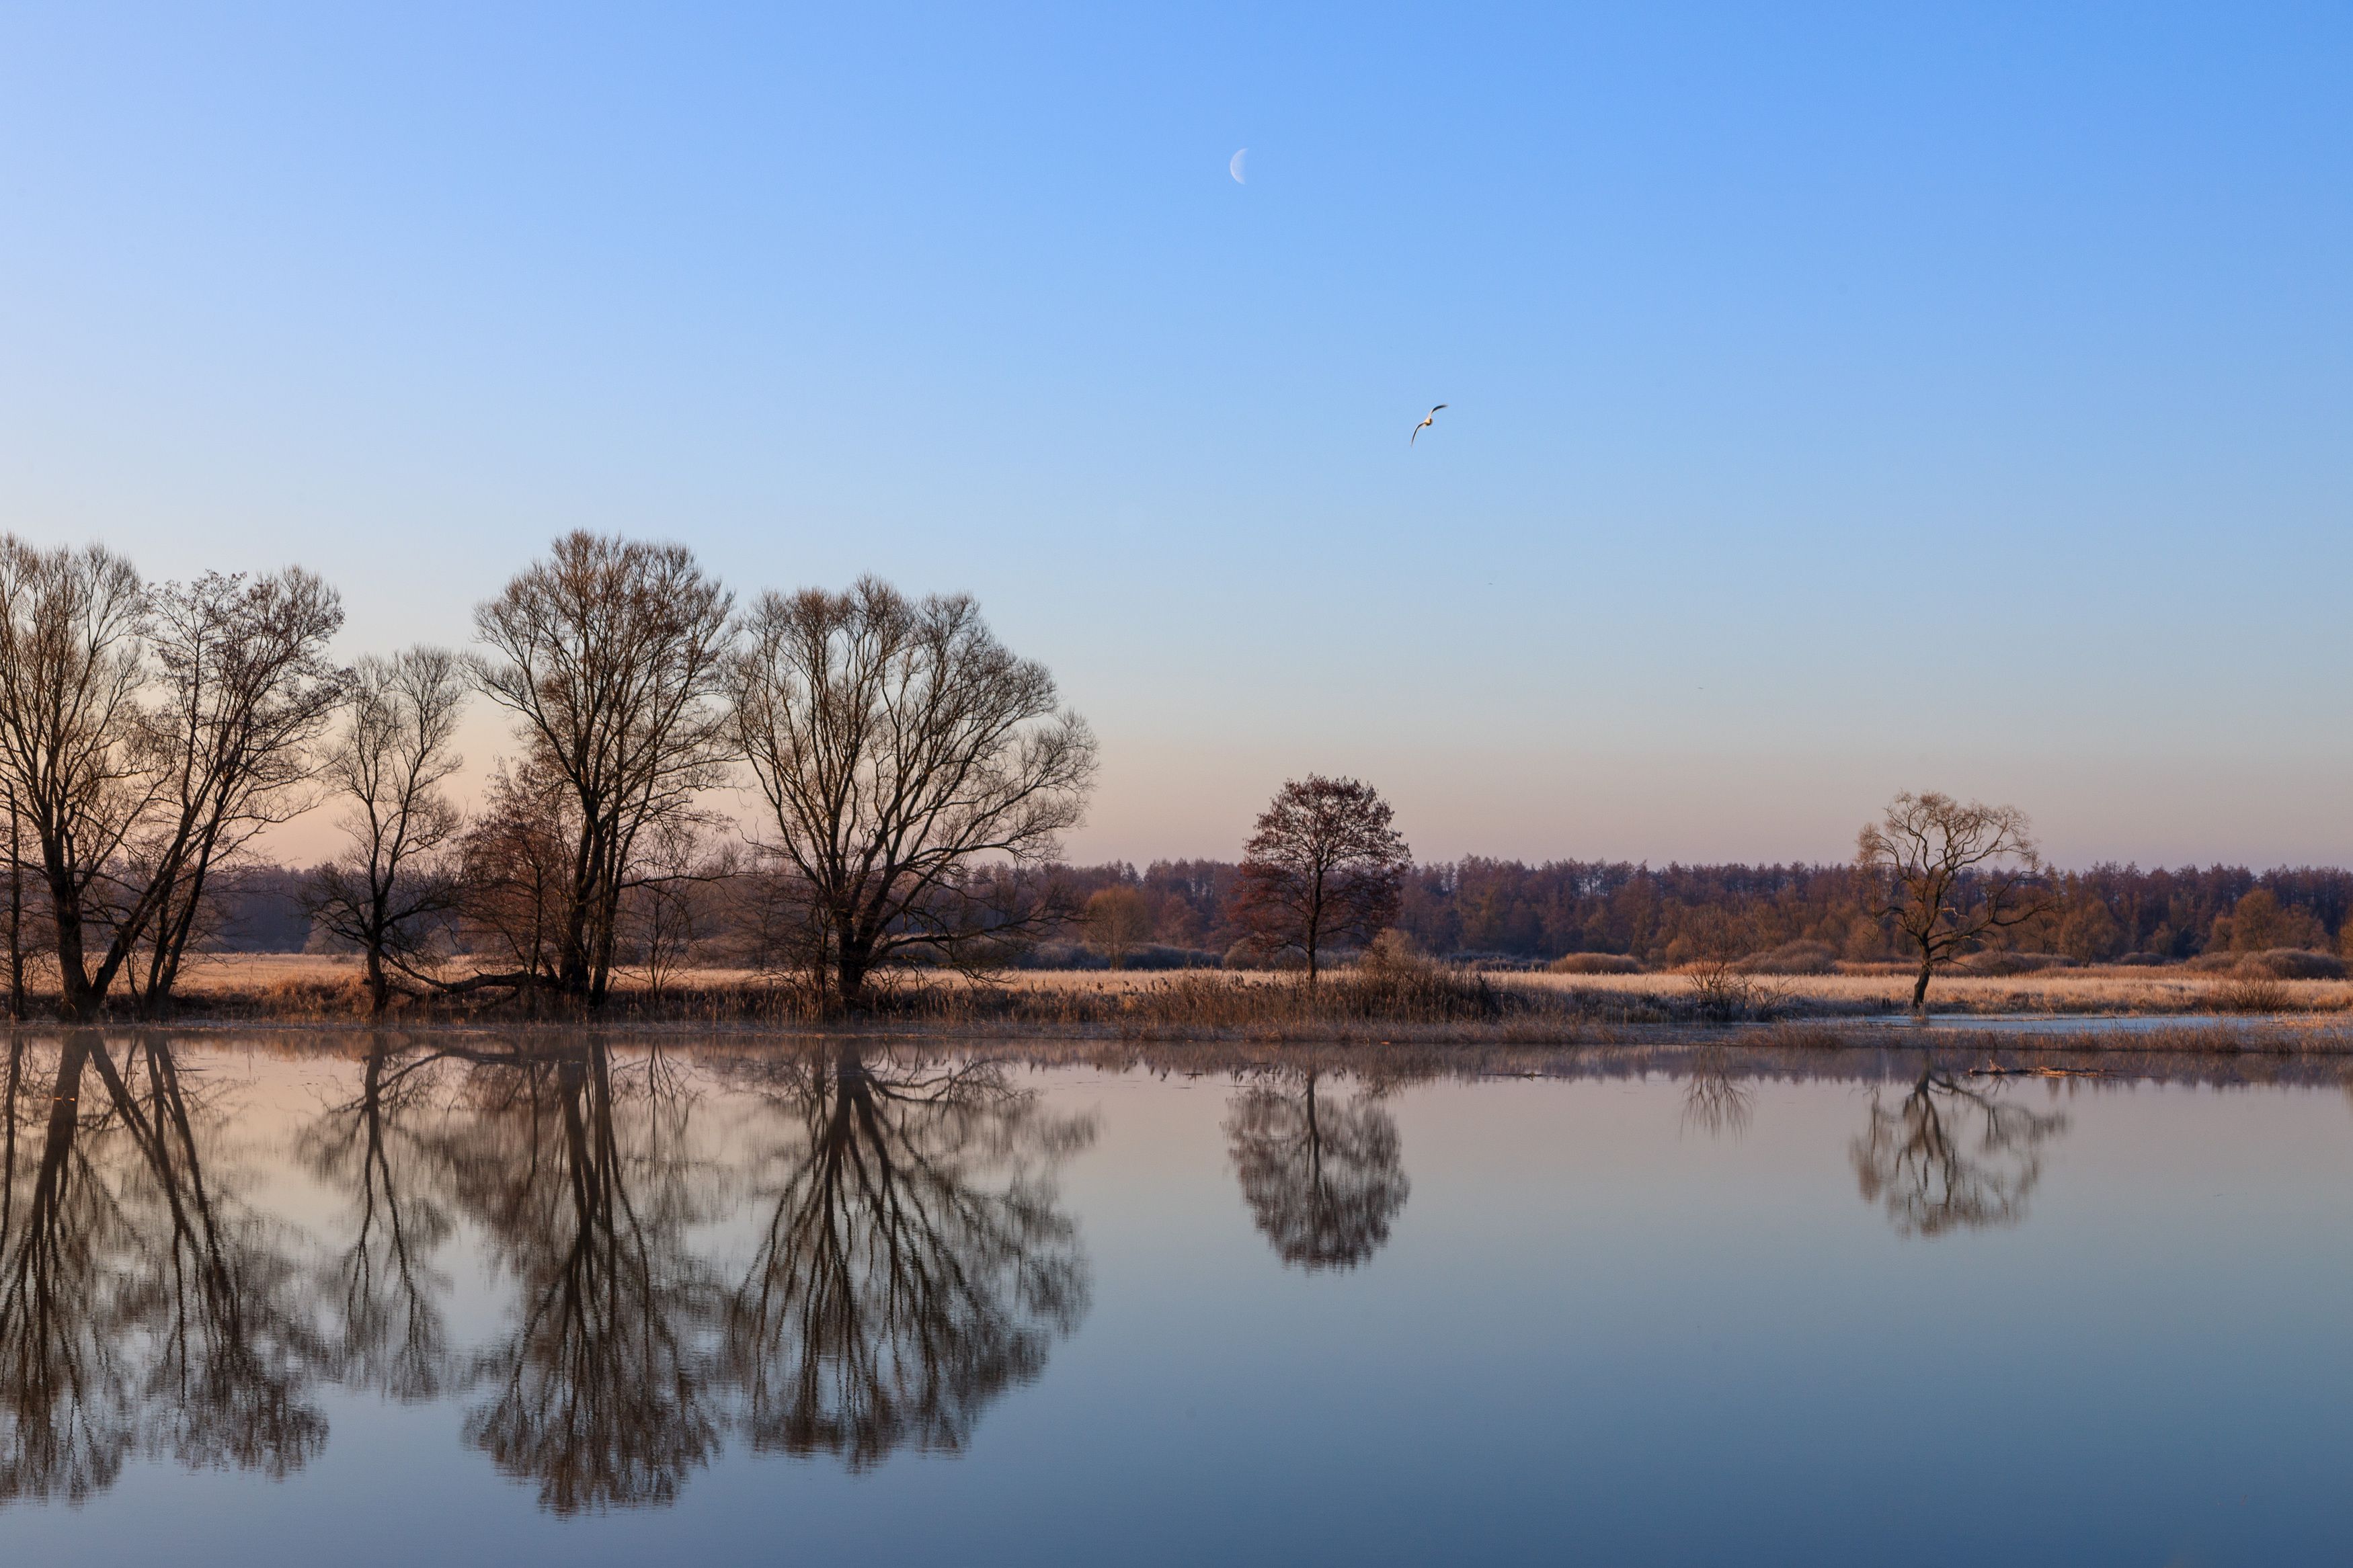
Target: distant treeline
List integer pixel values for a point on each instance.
(1508, 908)
(1479, 908)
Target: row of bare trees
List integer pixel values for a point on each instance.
(911, 773)
(909, 768)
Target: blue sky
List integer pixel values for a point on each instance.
(1842, 399)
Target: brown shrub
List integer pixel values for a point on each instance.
(1594, 964)
(2252, 994)
(2292, 963)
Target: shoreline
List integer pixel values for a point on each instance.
(2049, 1041)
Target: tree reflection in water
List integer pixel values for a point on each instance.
(915, 1263)
(143, 1309)
(601, 1391)
(1714, 1101)
(1951, 1157)
(384, 1293)
(909, 1262)
(1322, 1180)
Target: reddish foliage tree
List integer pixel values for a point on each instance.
(1324, 866)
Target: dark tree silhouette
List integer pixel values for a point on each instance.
(897, 744)
(609, 653)
(138, 769)
(386, 767)
(1950, 1157)
(1324, 866)
(915, 1265)
(243, 686)
(1322, 1181)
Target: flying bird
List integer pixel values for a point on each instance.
(1427, 420)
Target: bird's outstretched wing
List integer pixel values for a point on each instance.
(1437, 408)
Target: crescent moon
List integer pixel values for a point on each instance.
(1238, 168)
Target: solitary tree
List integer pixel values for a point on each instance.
(1324, 867)
(610, 653)
(905, 757)
(387, 766)
(1949, 875)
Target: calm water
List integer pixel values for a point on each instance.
(480, 1302)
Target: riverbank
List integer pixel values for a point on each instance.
(1420, 1005)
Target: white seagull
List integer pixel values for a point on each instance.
(1427, 420)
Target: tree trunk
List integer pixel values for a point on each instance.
(77, 1000)
(378, 987)
(15, 913)
(1920, 986)
(850, 968)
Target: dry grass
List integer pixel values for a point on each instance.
(2065, 992)
(1417, 1001)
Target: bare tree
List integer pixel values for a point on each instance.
(515, 875)
(388, 765)
(610, 654)
(74, 747)
(899, 746)
(1950, 875)
(1118, 919)
(16, 910)
(246, 686)
(1324, 866)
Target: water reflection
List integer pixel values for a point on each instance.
(812, 1253)
(1715, 1101)
(143, 1308)
(389, 1332)
(1322, 1180)
(602, 1387)
(915, 1263)
(1951, 1156)
(907, 1261)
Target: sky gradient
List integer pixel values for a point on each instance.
(1840, 401)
